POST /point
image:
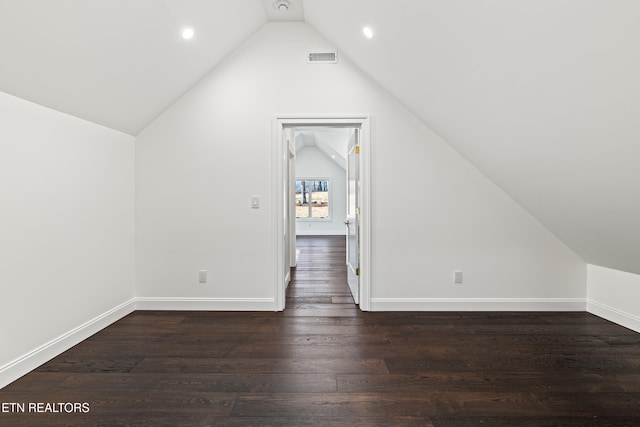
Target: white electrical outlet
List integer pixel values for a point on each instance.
(457, 277)
(202, 276)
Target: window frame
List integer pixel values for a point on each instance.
(329, 217)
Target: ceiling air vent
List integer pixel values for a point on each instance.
(323, 58)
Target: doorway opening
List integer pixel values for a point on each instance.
(349, 213)
(318, 285)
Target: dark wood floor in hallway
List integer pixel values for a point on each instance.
(318, 284)
(322, 362)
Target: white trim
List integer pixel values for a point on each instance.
(277, 226)
(287, 280)
(277, 163)
(478, 304)
(614, 315)
(206, 304)
(33, 359)
(364, 294)
(320, 233)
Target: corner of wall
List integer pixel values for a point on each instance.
(30, 361)
(613, 295)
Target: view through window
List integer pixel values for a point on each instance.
(312, 198)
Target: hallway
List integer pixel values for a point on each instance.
(318, 284)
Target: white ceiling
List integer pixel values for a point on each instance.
(118, 63)
(294, 10)
(332, 141)
(541, 95)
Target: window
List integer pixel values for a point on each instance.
(312, 199)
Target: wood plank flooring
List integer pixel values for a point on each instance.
(322, 362)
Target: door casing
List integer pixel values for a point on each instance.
(280, 181)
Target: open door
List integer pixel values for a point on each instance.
(289, 222)
(353, 216)
(359, 200)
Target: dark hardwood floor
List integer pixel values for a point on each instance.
(322, 362)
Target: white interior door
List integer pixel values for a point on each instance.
(353, 216)
(288, 227)
(292, 202)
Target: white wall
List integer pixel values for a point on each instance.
(311, 162)
(614, 295)
(550, 116)
(66, 227)
(199, 163)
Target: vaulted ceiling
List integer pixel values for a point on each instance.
(542, 95)
(118, 63)
(333, 142)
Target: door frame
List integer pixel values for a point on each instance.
(279, 165)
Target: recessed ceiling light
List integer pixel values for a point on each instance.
(368, 32)
(187, 33)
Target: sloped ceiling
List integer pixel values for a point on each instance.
(333, 142)
(542, 95)
(118, 63)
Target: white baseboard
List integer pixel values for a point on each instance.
(30, 361)
(478, 304)
(614, 315)
(206, 304)
(320, 233)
